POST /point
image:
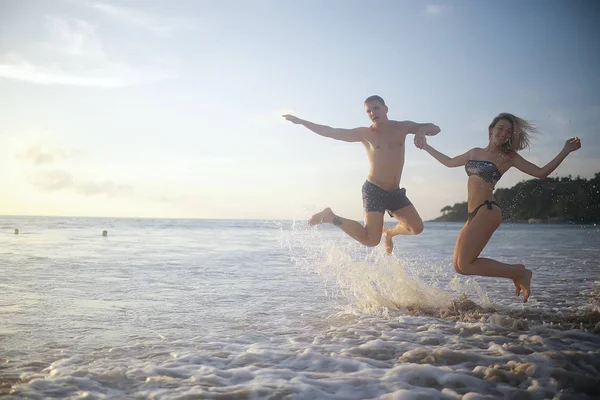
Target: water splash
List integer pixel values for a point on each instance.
(368, 278)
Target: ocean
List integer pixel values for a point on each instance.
(225, 309)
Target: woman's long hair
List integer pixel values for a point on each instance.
(523, 131)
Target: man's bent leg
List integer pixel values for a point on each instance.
(409, 223)
(369, 235)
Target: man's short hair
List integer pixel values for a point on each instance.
(375, 98)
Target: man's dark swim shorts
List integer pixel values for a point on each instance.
(377, 199)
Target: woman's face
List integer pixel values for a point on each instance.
(501, 133)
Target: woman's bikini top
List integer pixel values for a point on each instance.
(486, 170)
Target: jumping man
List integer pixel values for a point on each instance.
(384, 141)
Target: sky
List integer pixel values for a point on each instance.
(163, 109)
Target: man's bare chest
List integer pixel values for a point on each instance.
(389, 143)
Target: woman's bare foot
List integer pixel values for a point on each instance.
(324, 216)
(389, 244)
(516, 281)
(525, 284)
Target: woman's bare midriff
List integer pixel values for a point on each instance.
(479, 192)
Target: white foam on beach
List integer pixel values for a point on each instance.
(404, 357)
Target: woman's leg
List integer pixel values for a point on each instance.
(471, 241)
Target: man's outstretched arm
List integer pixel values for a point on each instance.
(346, 135)
(428, 129)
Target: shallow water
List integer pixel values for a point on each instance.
(173, 309)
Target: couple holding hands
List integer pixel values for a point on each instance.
(384, 142)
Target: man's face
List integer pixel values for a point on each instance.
(376, 111)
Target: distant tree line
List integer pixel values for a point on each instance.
(553, 200)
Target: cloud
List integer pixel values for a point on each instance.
(74, 37)
(138, 19)
(58, 180)
(38, 155)
(434, 9)
(53, 180)
(110, 75)
(108, 188)
(46, 173)
(77, 59)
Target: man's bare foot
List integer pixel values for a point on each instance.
(389, 244)
(324, 216)
(525, 284)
